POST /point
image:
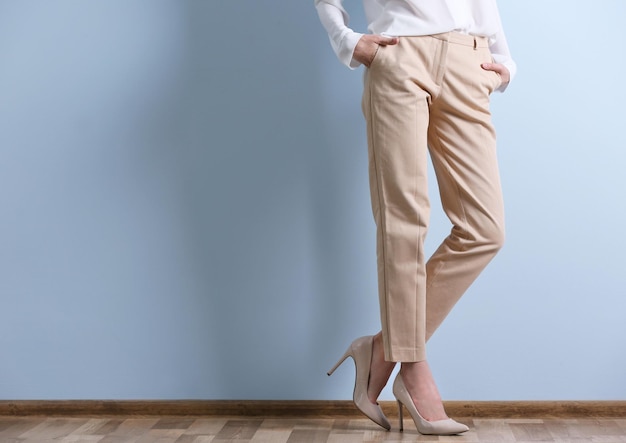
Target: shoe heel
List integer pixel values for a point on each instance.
(341, 360)
(400, 415)
(361, 352)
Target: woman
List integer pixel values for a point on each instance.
(431, 67)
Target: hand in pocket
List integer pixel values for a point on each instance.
(368, 45)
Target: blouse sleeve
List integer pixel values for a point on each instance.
(335, 20)
(501, 54)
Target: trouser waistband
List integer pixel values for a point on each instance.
(475, 41)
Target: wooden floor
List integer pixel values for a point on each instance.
(127, 429)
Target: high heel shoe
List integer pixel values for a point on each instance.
(361, 352)
(439, 427)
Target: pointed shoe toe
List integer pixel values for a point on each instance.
(442, 427)
(372, 411)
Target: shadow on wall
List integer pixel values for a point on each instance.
(254, 151)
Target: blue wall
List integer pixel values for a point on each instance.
(185, 211)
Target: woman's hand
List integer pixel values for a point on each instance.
(367, 47)
(502, 70)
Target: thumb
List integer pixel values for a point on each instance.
(386, 40)
(489, 67)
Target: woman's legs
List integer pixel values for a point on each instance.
(417, 377)
(429, 88)
(396, 110)
(462, 145)
(397, 113)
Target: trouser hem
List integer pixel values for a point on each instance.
(406, 355)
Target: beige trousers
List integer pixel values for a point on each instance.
(430, 94)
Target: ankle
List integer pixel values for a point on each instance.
(380, 369)
(378, 340)
(421, 387)
(415, 370)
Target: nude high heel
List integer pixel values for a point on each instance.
(361, 352)
(439, 427)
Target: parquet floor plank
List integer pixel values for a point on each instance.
(95, 426)
(119, 439)
(186, 438)
(207, 427)
(52, 428)
(594, 427)
(492, 431)
(82, 439)
(239, 430)
(271, 436)
(14, 427)
(564, 430)
(527, 432)
(608, 439)
(133, 427)
(309, 436)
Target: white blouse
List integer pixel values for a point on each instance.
(416, 17)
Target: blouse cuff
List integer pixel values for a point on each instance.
(345, 51)
(511, 66)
